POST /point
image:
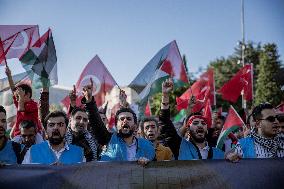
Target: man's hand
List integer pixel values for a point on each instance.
(56, 163)
(167, 86)
(122, 99)
(233, 157)
(143, 161)
(73, 96)
(88, 90)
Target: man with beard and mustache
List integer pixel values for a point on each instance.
(10, 152)
(197, 147)
(124, 146)
(150, 130)
(215, 130)
(264, 140)
(196, 125)
(55, 150)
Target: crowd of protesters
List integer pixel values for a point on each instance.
(82, 135)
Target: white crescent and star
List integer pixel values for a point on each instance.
(25, 41)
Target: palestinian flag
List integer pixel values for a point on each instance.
(166, 63)
(180, 116)
(232, 123)
(41, 59)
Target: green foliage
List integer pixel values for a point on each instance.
(267, 89)
(225, 68)
(266, 63)
(155, 101)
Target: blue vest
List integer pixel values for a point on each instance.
(117, 151)
(41, 153)
(247, 145)
(7, 154)
(188, 151)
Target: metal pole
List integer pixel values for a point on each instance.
(244, 104)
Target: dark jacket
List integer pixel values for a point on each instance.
(96, 127)
(169, 135)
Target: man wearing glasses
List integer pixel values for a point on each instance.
(264, 141)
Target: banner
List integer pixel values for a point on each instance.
(248, 173)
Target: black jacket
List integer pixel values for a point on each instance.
(169, 134)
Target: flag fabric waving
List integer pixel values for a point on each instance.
(232, 123)
(148, 109)
(42, 60)
(242, 80)
(17, 39)
(208, 113)
(203, 89)
(2, 54)
(103, 81)
(166, 63)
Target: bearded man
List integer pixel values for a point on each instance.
(55, 150)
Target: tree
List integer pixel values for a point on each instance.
(224, 69)
(267, 90)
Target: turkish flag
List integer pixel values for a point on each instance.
(102, 79)
(280, 107)
(202, 89)
(242, 80)
(2, 53)
(17, 39)
(208, 113)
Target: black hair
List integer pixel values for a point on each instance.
(125, 110)
(26, 88)
(55, 114)
(77, 109)
(26, 124)
(256, 112)
(2, 109)
(147, 119)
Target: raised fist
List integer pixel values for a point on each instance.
(167, 86)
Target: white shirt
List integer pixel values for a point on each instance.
(27, 158)
(204, 151)
(131, 151)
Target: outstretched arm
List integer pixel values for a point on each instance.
(10, 78)
(168, 131)
(98, 128)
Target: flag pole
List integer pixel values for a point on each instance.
(244, 103)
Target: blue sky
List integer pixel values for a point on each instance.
(126, 34)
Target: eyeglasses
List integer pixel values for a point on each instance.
(271, 118)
